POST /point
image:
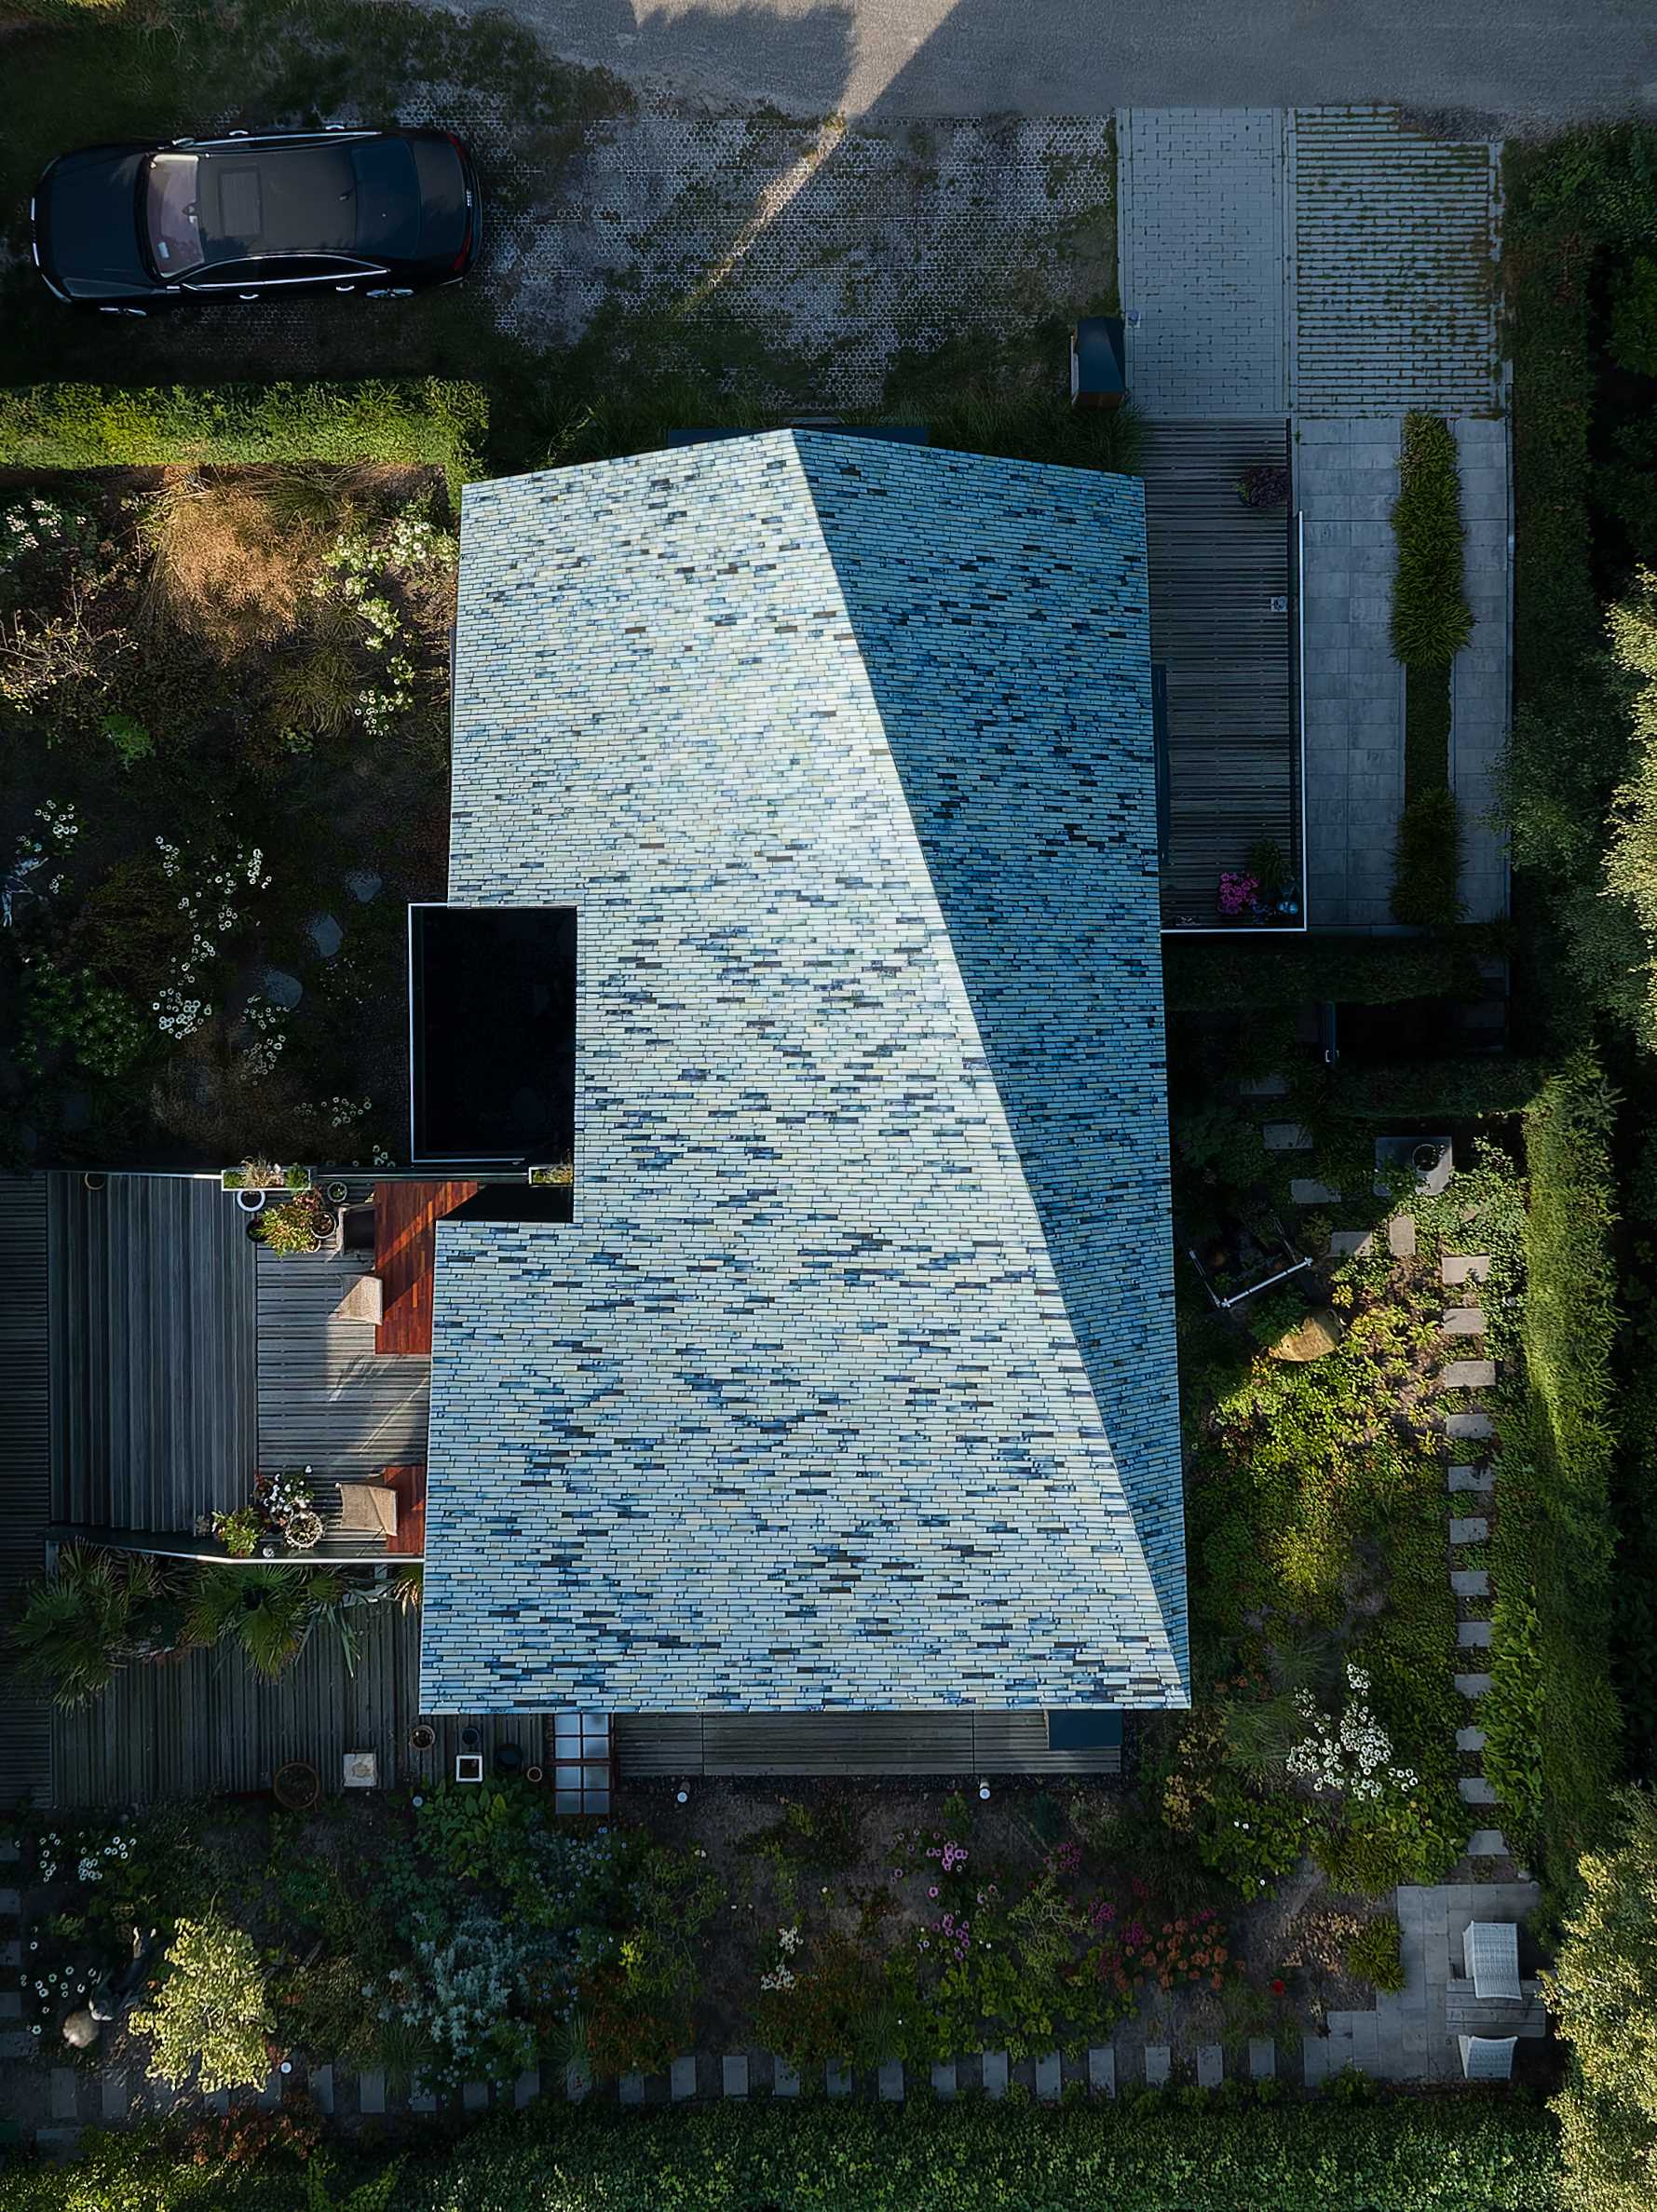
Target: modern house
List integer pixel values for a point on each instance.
(845, 1408)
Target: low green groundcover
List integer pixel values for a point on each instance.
(1465, 2155)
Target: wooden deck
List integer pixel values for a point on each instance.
(328, 1399)
(205, 1723)
(151, 1298)
(406, 1215)
(25, 1467)
(757, 1743)
(1215, 568)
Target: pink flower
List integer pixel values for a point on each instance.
(933, 1892)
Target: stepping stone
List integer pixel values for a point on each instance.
(62, 2093)
(785, 2082)
(474, 2095)
(11, 1953)
(1050, 2078)
(1464, 1477)
(1286, 1136)
(1463, 1320)
(371, 2090)
(1476, 1425)
(1158, 2061)
(944, 2078)
(422, 2100)
(1473, 1685)
(11, 2004)
(1475, 1530)
(1473, 1636)
(733, 2073)
(995, 2073)
(1486, 1843)
(1470, 1581)
(1263, 1087)
(1306, 1192)
(111, 2098)
(1468, 1375)
(11, 1903)
(576, 2083)
(1314, 2060)
(838, 2078)
(10, 1851)
(58, 2142)
(1475, 1790)
(321, 2088)
(14, 2045)
(1400, 1236)
(271, 2095)
(325, 934)
(526, 2088)
(890, 2081)
(1211, 2066)
(281, 989)
(682, 2080)
(1470, 1738)
(632, 2089)
(1350, 1244)
(1456, 1269)
(1262, 2059)
(1100, 2069)
(363, 885)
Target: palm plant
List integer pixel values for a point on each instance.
(269, 1611)
(96, 1612)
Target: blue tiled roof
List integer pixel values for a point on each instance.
(853, 1383)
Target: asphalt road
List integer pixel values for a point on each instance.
(1497, 65)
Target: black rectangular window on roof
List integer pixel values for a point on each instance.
(492, 1034)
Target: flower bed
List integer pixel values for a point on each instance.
(224, 695)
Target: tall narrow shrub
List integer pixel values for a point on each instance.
(1431, 620)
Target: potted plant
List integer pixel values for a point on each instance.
(297, 1787)
(336, 1193)
(1264, 486)
(304, 1531)
(238, 1531)
(253, 1182)
(303, 1225)
(422, 1736)
(552, 1175)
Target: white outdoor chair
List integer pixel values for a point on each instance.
(1490, 1951)
(1487, 2057)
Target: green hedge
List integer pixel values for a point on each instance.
(1209, 975)
(1426, 729)
(1426, 2155)
(1553, 1538)
(1427, 862)
(1431, 620)
(426, 422)
(1465, 1090)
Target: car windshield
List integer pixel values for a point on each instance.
(173, 228)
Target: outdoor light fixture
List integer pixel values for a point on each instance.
(983, 1793)
(683, 1796)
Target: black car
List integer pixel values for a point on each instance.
(131, 229)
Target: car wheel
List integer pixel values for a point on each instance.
(395, 292)
(141, 313)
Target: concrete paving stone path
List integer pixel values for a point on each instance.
(1463, 1476)
(785, 2079)
(1159, 2060)
(681, 2079)
(1211, 2066)
(1472, 1529)
(1262, 2059)
(943, 2082)
(889, 2082)
(1456, 1269)
(1101, 2070)
(733, 2071)
(995, 2073)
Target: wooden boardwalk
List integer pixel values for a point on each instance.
(327, 1398)
(757, 1743)
(1215, 569)
(406, 1215)
(205, 1723)
(25, 1466)
(152, 1349)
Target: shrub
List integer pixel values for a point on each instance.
(1210, 977)
(95, 1612)
(1602, 1993)
(1633, 316)
(1376, 1954)
(213, 2011)
(1631, 855)
(1427, 862)
(1431, 620)
(1509, 1714)
(1427, 720)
